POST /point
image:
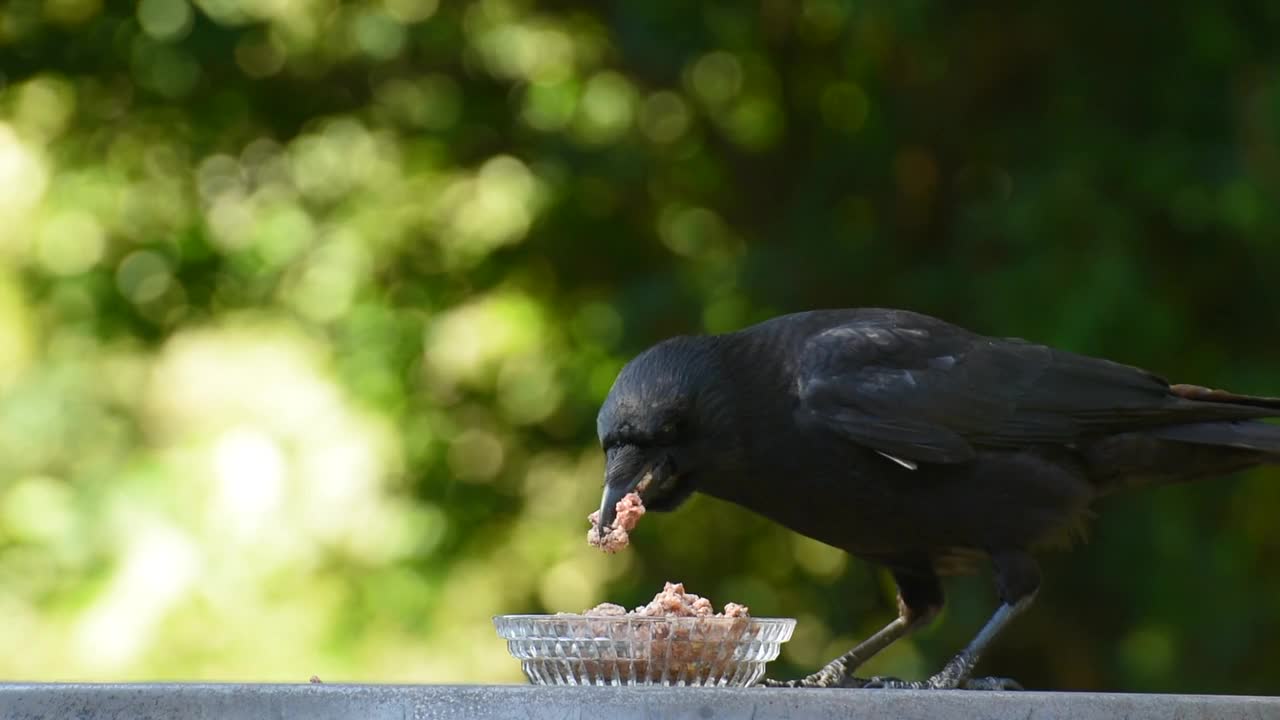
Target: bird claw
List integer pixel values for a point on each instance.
(993, 683)
(817, 681)
(832, 675)
(878, 682)
(892, 683)
(828, 677)
(940, 683)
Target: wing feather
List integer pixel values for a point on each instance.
(922, 390)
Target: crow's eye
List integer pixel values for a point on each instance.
(613, 442)
(668, 433)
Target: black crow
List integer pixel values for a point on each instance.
(912, 443)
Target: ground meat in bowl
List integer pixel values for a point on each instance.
(673, 601)
(692, 646)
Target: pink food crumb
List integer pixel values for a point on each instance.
(673, 601)
(608, 609)
(628, 512)
(702, 607)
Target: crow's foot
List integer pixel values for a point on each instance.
(848, 682)
(992, 683)
(880, 682)
(820, 679)
(832, 675)
(939, 682)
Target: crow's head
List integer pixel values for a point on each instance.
(667, 421)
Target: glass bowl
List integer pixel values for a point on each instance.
(570, 649)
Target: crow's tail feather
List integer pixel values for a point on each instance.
(1204, 394)
(1253, 435)
(1180, 453)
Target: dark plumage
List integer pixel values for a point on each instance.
(913, 443)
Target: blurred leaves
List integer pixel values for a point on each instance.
(306, 308)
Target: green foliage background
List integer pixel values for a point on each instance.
(306, 308)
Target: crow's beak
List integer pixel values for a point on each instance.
(627, 471)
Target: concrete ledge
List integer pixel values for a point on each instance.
(519, 702)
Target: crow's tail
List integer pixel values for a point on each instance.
(1222, 397)
(1180, 453)
(1255, 435)
(1207, 433)
(1215, 427)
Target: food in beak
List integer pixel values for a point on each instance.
(629, 509)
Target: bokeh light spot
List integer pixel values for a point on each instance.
(465, 343)
(432, 102)
(411, 11)
(143, 276)
(475, 455)
(755, 122)
(378, 35)
(716, 77)
(333, 274)
(70, 243)
(159, 564)
(260, 55)
(566, 586)
(218, 175)
(491, 209)
(607, 108)
(283, 232)
(822, 20)
(528, 390)
(71, 12)
(165, 19)
(37, 509)
(550, 106)
(664, 117)
(691, 231)
(533, 51)
(250, 471)
(1148, 651)
(23, 177)
(16, 340)
(45, 106)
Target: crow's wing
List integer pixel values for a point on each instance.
(923, 390)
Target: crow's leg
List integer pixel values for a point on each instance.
(919, 600)
(839, 672)
(1017, 579)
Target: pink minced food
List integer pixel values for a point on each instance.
(677, 638)
(673, 601)
(629, 509)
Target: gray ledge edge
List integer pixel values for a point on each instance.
(207, 701)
